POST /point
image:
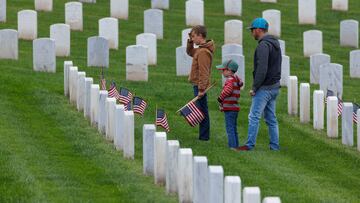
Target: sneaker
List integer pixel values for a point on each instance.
(243, 148)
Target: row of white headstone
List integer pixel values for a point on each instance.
(338, 5)
(319, 97)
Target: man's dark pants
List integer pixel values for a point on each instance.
(204, 130)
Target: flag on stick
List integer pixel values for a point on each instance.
(139, 105)
(192, 113)
(340, 102)
(103, 83)
(113, 91)
(125, 98)
(355, 108)
(161, 119)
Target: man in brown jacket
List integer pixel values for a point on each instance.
(200, 72)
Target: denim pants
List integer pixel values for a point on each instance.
(204, 129)
(231, 128)
(264, 103)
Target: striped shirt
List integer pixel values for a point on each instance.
(231, 93)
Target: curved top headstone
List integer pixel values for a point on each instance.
(98, 52)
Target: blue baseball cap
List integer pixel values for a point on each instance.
(259, 23)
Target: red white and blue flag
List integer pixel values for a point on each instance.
(139, 105)
(161, 119)
(113, 92)
(340, 102)
(125, 97)
(103, 83)
(355, 108)
(192, 113)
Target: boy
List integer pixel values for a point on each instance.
(228, 100)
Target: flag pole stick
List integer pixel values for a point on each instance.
(155, 118)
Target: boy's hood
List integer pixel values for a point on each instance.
(209, 44)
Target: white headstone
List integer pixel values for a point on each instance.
(268, 1)
(185, 175)
(216, 184)
(110, 105)
(232, 189)
(148, 149)
(355, 64)
(194, 11)
(44, 56)
(148, 40)
(129, 138)
(27, 24)
(153, 22)
(331, 78)
(73, 70)
(347, 129)
(307, 11)
(160, 4)
(313, 42)
(304, 102)
(183, 62)
(136, 63)
(102, 111)
(200, 179)
(67, 65)
(43, 5)
(273, 17)
(282, 46)
(332, 116)
(292, 95)
(9, 44)
(172, 149)
(316, 61)
(251, 195)
(233, 7)
(227, 49)
(185, 36)
(87, 103)
(340, 5)
(349, 33)
(160, 158)
(61, 34)
(119, 9)
(109, 29)
(80, 94)
(240, 60)
(94, 104)
(271, 200)
(97, 52)
(74, 15)
(119, 127)
(233, 32)
(285, 70)
(2, 10)
(318, 108)
(358, 130)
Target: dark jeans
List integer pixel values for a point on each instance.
(204, 129)
(231, 128)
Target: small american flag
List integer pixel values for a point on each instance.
(125, 96)
(355, 108)
(103, 83)
(113, 91)
(340, 102)
(161, 119)
(192, 114)
(139, 105)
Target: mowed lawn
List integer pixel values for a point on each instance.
(50, 153)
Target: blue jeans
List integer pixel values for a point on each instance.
(264, 103)
(231, 128)
(204, 129)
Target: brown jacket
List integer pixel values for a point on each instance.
(201, 63)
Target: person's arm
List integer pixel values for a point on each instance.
(204, 62)
(262, 63)
(227, 91)
(190, 50)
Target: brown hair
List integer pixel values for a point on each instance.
(199, 30)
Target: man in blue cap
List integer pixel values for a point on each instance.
(266, 84)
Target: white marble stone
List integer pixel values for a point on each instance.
(183, 62)
(88, 84)
(251, 195)
(9, 44)
(200, 179)
(119, 9)
(331, 78)
(316, 61)
(349, 33)
(97, 52)
(355, 64)
(240, 60)
(185, 175)
(307, 12)
(44, 56)
(304, 102)
(285, 70)
(269, 1)
(232, 189)
(340, 5)
(119, 127)
(292, 95)
(282, 46)
(129, 135)
(73, 71)
(74, 15)
(233, 32)
(172, 149)
(109, 29)
(136, 63)
(102, 120)
(227, 49)
(358, 130)
(27, 24)
(273, 17)
(160, 158)
(160, 4)
(80, 91)
(60, 33)
(185, 36)
(43, 5)
(318, 108)
(347, 129)
(332, 117)
(67, 65)
(194, 12)
(153, 22)
(271, 200)
(233, 7)
(313, 42)
(2, 10)
(94, 104)
(148, 40)
(110, 105)
(216, 184)
(148, 149)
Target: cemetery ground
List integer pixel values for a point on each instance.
(49, 152)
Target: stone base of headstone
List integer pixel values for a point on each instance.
(160, 158)
(88, 84)
(80, 91)
(293, 95)
(148, 149)
(232, 189)
(332, 117)
(129, 145)
(185, 175)
(304, 102)
(172, 149)
(216, 184)
(318, 108)
(94, 104)
(347, 129)
(251, 195)
(67, 65)
(119, 127)
(200, 179)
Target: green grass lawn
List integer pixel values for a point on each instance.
(49, 152)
